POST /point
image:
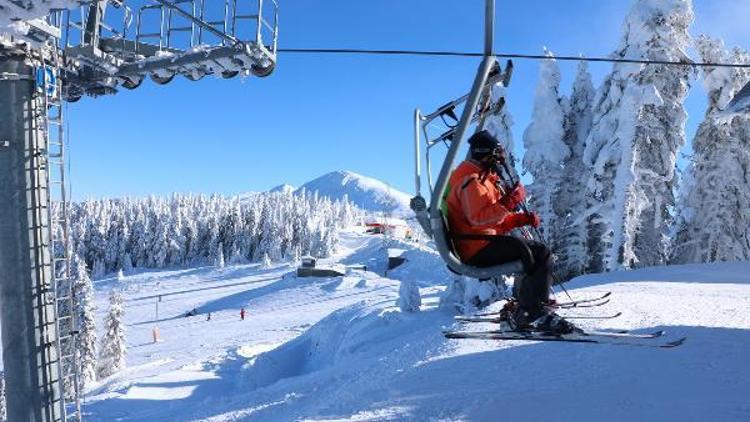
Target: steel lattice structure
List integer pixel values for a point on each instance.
(61, 50)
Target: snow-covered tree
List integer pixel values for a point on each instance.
(190, 230)
(220, 263)
(113, 347)
(713, 221)
(570, 203)
(3, 411)
(466, 295)
(127, 263)
(99, 270)
(86, 322)
(409, 299)
(637, 131)
(499, 122)
(545, 149)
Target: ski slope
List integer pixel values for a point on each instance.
(339, 349)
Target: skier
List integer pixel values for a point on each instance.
(478, 204)
(242, 314)
(208, 318)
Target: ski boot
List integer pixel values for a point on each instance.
(541, 320)
(506, 312)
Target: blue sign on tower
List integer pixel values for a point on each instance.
(46, 79)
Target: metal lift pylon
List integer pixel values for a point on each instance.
(27, 287)
(88, 51)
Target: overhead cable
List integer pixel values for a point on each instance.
(436, 53)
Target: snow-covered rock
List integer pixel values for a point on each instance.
(365, 192)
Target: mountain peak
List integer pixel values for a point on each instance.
(366, 192)
(285, 188)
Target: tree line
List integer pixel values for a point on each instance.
(604, 161)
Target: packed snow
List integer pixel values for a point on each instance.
(342, 349)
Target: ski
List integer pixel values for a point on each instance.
(594, 333)
(592, 338)
(613, 316)
(578, 305)
(500, 319)
(583, 303)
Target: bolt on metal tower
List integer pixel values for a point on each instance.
(50, 56)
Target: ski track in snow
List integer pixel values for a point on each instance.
(339, 349)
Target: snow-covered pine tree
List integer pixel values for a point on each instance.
(127, 263)
(220, 263)
(638, 129)
(175, 239)
(113, 347)
(187, 230)
(570, 202)
(266, 261)
(713, 222)
(3, 411)
(86, 322)
(99, 270)
(545, 149)
(499, 123)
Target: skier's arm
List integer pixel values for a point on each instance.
(480, 206)
(514, 196)
(518, 219)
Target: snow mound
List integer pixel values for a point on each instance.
(365, 192)
(347, 334)
(423, 266)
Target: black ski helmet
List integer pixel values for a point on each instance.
(482, 144)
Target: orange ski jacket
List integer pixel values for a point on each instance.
(473, 205)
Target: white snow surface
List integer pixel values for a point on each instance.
(365, 192)
(340, 349)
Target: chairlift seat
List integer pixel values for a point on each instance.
(447, 248)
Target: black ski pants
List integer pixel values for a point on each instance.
(534, 288)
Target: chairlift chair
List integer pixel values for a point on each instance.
(430, 216)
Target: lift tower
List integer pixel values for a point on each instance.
(47, 57)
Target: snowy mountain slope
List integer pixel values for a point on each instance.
(365, 192)
(285, 188)
(339, 349)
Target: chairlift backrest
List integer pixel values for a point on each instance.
(446, 247)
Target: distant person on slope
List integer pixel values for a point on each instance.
(478, 203)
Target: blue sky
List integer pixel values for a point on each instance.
(316, 114)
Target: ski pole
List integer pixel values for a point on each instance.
(525, 209)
